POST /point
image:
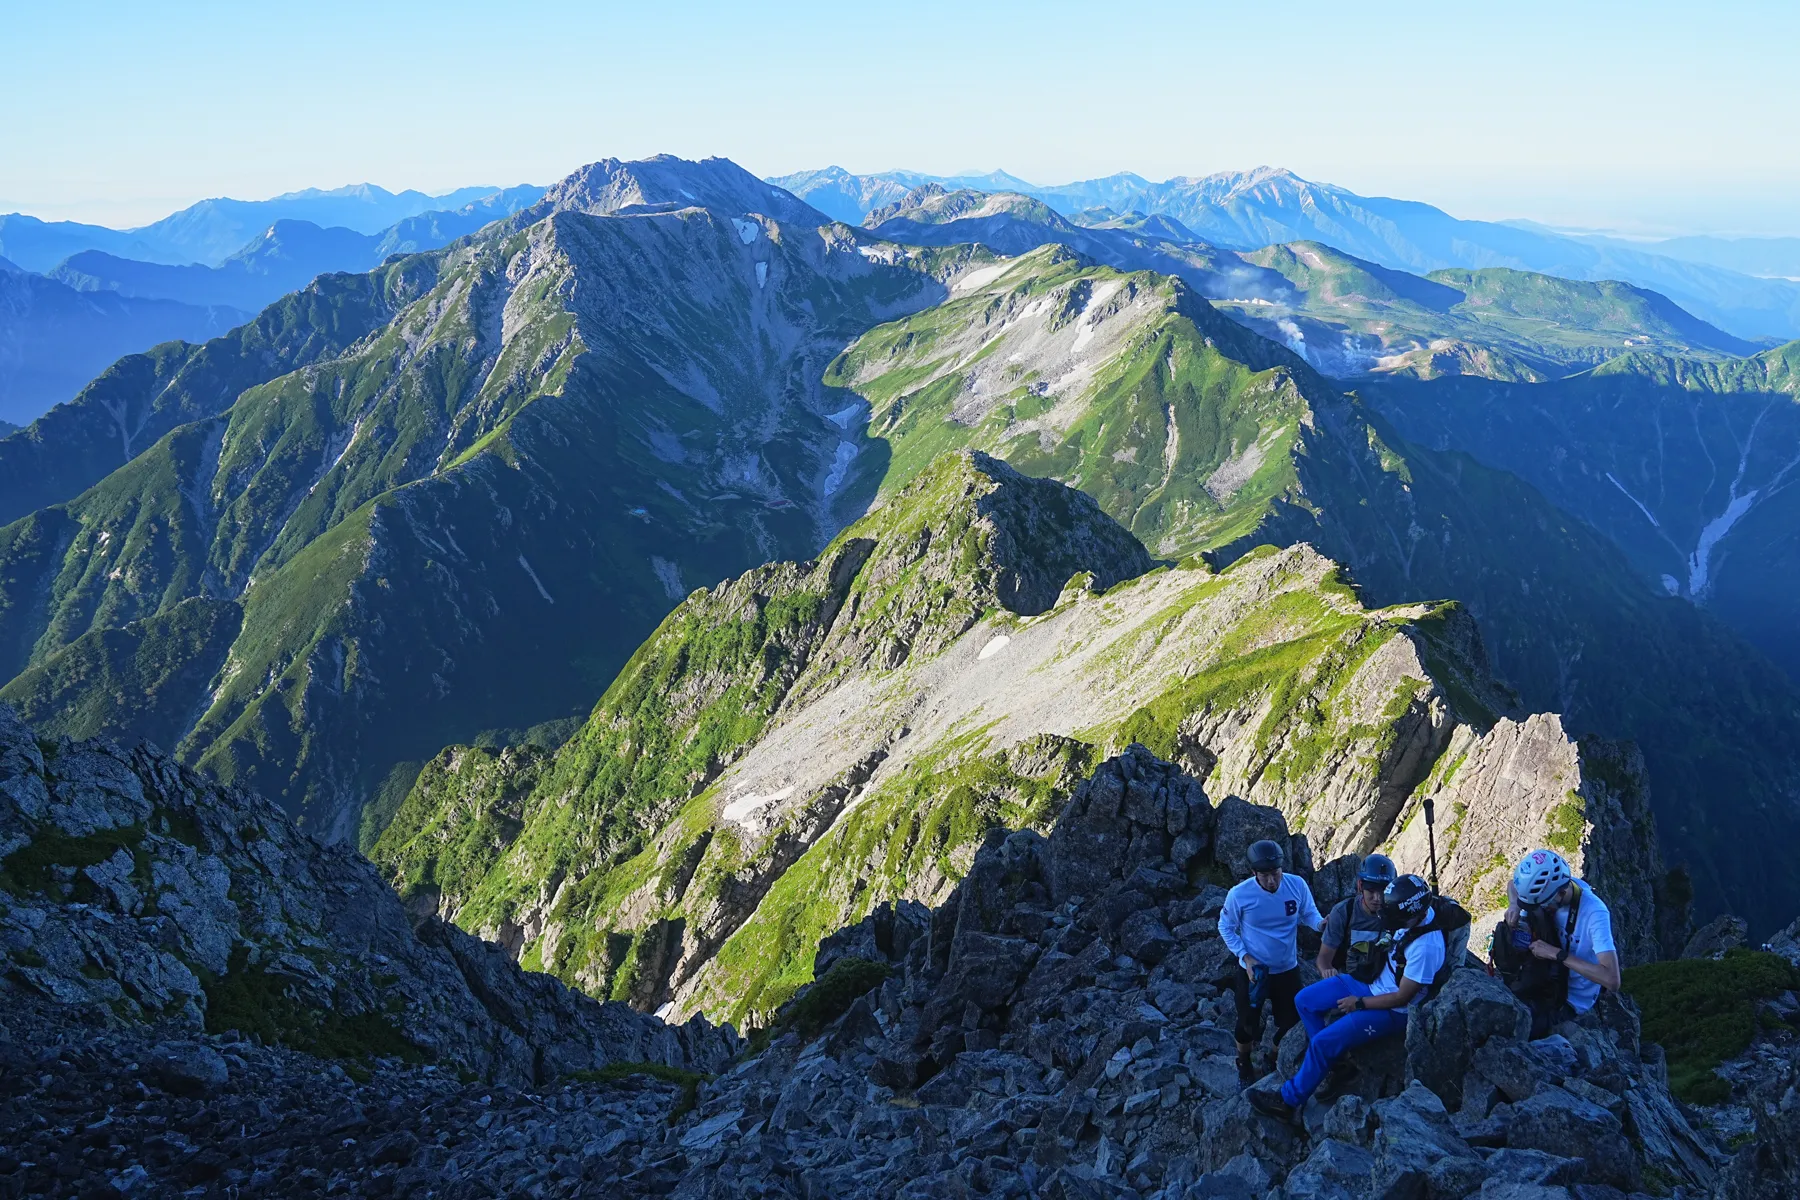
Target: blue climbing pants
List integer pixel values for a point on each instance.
(1325, 1044)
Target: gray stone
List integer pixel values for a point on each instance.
(1717, 936)
(1335, 1170)
(1561, 1123)
(187, 1069)
(1499, 1189)
(1443, 1035)
(1145, 937)
(1415, 1135)
(1511, 1068)
(1535, 1166)
(1236, 824)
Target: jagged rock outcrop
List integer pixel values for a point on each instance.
(138, 893)
(1025, 1041)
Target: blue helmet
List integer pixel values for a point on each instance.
(1376, 872)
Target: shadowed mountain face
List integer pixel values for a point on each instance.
(132, 297)
(1692, 468)
(53, 338)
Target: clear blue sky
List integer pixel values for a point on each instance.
(1646, 117)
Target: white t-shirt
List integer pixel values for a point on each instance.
(1593, 937)
(1424, 959)
(1263, 924)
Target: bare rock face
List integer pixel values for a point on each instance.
(141, 894)
(1717, 936)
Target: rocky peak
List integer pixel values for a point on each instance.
(933, 204)
(968, 536)
(666, 183)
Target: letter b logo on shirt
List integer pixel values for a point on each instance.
(1292, 908)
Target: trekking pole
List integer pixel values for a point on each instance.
(1431, 837)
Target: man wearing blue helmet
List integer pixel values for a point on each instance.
(1555, 948)
(1353, 931)
(1416, 962)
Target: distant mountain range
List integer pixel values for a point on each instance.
(53, 339)
(1246, 210)
(1346, 316)
(214, 230)
(104, 293)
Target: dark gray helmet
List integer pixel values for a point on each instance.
(1377, 870)
(1408, 896)
(1265, 855)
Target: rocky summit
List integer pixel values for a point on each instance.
(1054, 1028)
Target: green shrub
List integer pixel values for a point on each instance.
(31, 868)
(251, 1000)
(689, 1081)
(831, 995)
(1704, 1011)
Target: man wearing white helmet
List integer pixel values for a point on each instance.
(1560, 922)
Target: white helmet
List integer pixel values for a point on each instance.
(1539, 876)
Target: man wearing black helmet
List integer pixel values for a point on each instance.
(1260, 923)
(1365, 1011)
(1354, 930)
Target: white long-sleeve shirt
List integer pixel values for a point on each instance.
(1263, 924)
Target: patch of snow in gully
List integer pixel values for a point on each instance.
(746, 230)
(995, 645)
(743, 806)
(840, 467)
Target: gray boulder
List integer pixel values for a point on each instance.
(1236, 824)
(187, 1069)
(1787, 943)
(1126, 815)
(1560, 1123)
(1333, 1171)
(1718, 935)
(1444, 1034)
(1415, 1137)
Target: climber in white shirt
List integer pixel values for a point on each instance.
(1260, 923)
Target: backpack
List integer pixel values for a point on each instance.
(1448, 918)
(1537, 981)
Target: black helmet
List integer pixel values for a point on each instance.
(1265, 855)
(1377, 869)
(1407, 897)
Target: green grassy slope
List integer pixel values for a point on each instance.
(1353, 318)
(138, 399)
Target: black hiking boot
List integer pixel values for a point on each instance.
(1246, 1071)
(1337, 1080)
(1269, 1103)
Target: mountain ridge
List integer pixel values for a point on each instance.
(1250, 209)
